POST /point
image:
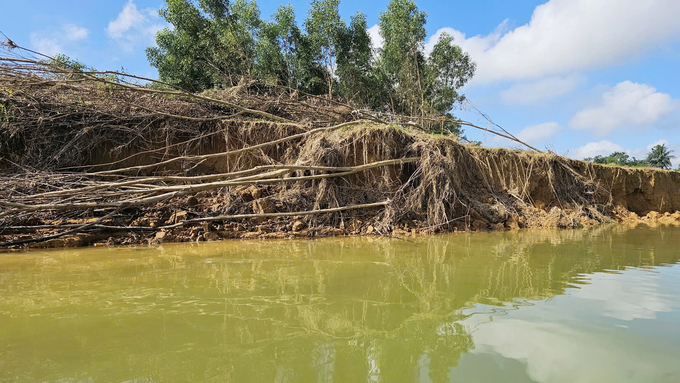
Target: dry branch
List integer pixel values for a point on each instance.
(75, 230)
(276, 215)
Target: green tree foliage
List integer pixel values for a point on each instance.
(448, 69)
(67, 63)
(277, 48)
(358, 78)
(660, 157)
(211, 43)
(402, 26)
(421, 85)
(325, 28)
(216, 43)
(616, 158)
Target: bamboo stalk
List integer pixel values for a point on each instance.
(59, 235)
(182, 190)
(275, 215)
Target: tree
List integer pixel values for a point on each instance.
(286, 53)
(277, 46)
(448, 69)
(325, 28)
(357, 80)
(660, 157)
(402, 27)
(617, 158)
(217, 43)
(210, 45)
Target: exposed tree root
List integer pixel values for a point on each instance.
(231, 163)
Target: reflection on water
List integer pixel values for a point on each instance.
(548, 306)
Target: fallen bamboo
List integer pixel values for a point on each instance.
(177, 191)
(243, 182)
(208, 177)
(64, 233)
(275, 215)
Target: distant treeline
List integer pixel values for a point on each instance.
(218, 43)
(659, 157)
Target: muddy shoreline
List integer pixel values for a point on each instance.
(295, 228)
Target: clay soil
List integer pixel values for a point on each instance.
(89, 161)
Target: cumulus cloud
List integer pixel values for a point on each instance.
(600, 148)
(627, 104)
(73, 32)
(564, 36)
(49, 46)
(132, 26)
(53, 42)
(376, 40)
(539, 132)
(531, 92)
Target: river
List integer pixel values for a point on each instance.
(600, 305)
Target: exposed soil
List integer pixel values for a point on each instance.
(452, 187)
(102, 165)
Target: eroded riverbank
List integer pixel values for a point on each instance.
(240, 164)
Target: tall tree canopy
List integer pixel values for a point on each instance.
(216, 43)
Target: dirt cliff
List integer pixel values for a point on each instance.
(433, 184)
(90, 161)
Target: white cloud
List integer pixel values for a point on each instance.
(376, 40)
(73, 32)
(627, 104)
(531, 92)
(564, 36)
(49, 46)
(132, 26)
(52, 43)
(601, 148)
(127, 19)
(539, 132)
(472, 44)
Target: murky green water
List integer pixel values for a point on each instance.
(549, 306)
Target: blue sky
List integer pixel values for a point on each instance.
(578, 77)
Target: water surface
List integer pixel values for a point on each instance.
(597, 305)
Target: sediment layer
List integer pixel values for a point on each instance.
(444, 187)
(90, 160)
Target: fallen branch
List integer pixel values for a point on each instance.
(182, 190)
(59, 235)
(275, 215)
(208, 177)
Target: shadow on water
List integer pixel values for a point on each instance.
(356, 309)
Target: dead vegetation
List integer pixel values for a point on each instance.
(92, 157)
